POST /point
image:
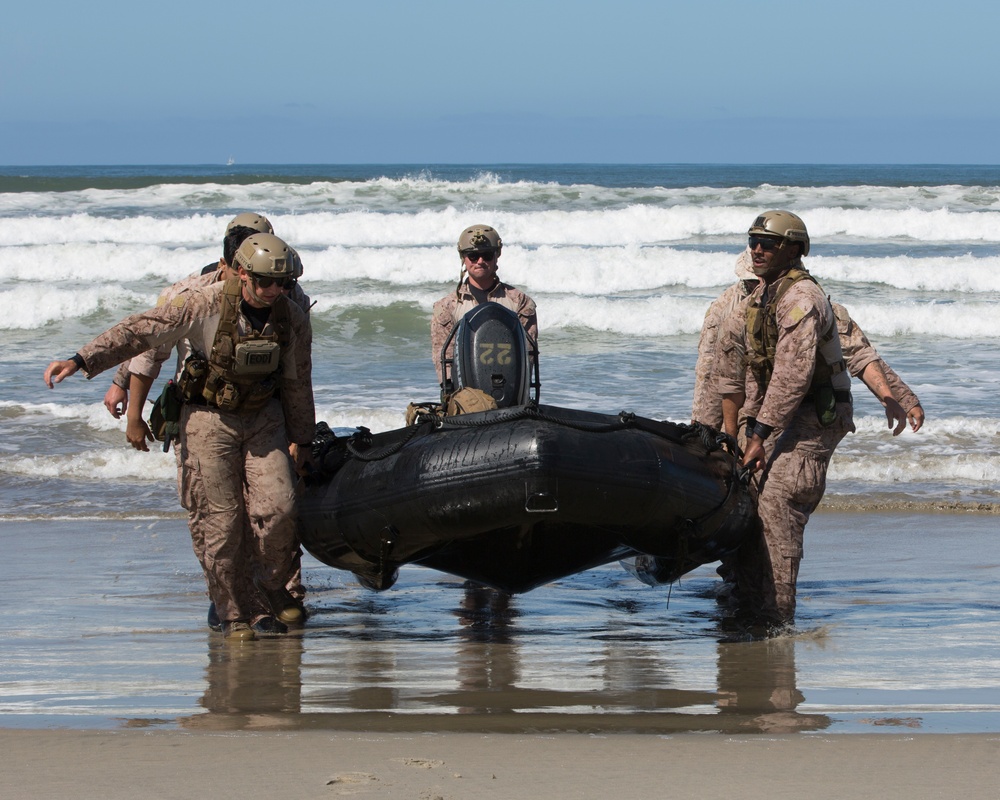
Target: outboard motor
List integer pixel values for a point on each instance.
(493, 354)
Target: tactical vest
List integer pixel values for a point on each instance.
(241, 373)
(762, 341)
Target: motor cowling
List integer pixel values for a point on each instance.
(492, 353)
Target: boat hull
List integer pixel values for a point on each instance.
(519, 497)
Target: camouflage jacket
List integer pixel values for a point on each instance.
(189, 321)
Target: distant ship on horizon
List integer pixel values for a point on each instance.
(231, 161)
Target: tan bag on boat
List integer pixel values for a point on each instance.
(469, 401)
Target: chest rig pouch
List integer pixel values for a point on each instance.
(243, 369)
(256, 357)
(829, 375)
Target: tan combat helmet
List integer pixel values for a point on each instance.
(250, 219)
(479, 237)
(296, 263)
(264, 255)
(783, 224)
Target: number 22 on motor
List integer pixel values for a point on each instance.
(495, 353)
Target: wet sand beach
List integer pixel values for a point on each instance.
(121, 766)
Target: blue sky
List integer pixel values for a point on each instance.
(441, 81)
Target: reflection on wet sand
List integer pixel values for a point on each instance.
(757, 687)
(251, 685)
(470, 676)
(487, 665)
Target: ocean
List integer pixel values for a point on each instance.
(622, 260)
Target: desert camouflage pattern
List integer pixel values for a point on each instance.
(706, 407)
(858, 351)
(791, 486)
(149, 364)
(803, 316)
(189, 322)
(197, 280)
(451, 308)
(904, 394)
(237, 479)
(729, 373)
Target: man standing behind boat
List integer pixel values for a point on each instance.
(248, 395)
(479, 249)
(795, 391)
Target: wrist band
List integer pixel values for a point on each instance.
(77, 359)
(762, 430)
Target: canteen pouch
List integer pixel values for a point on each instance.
(164, 419)
(826, 405)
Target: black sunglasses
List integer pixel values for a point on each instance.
(265, 282)
(766, 243)
(475, 255)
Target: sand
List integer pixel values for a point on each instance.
(96, 765)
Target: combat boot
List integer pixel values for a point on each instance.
(213, 618)
(238, 631)
(268, 626)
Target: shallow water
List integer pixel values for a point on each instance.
(897, 630)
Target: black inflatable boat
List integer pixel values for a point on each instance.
(524, 494)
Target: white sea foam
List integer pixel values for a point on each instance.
(608, 270)
(651, 312)
(490, 192)
(34, 305)
(376, 420)
(966, 469)
(104, 464)
(544, 221)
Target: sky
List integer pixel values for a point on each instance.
(442, 81)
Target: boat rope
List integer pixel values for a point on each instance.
(626, 419)
(358, 445)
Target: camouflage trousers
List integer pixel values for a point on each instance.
(195, 525)
(238, 486)
(766, 567)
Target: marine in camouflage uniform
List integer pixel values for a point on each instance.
(143, 370)
(795, 394)
(236, 474)
(479, 249)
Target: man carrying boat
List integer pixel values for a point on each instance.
(795, 392)
(479, 249)
(140, 372)
(247, 394)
